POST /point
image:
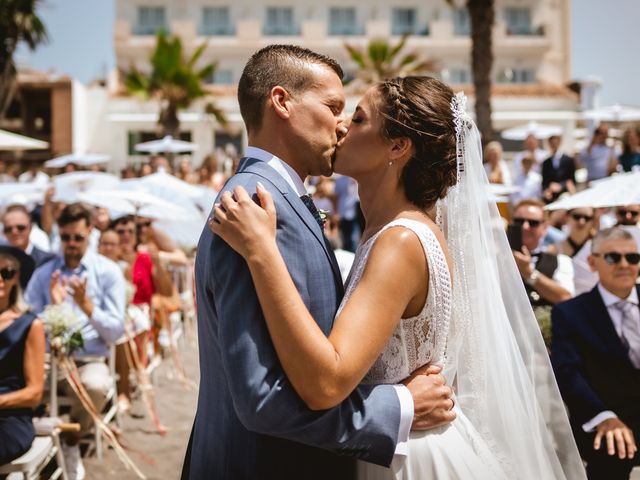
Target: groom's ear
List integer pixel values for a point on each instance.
(400, 149)
(280, 101)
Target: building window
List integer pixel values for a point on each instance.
(279, 21)
(342, 21)
(460, 76)
(216, 21)
(517, 75)
(220, 77)
(150, 20)
(518, 21)
(461, 22)
(403, 21)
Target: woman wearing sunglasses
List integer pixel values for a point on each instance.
(22, 348)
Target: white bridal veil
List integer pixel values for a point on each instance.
(495, 355)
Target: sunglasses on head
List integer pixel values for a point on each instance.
(532, 223)
(612, 258)
(8, 273)
(65, 237)
(624, 212)
(11, 228)
(578, 216)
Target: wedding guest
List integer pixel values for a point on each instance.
(599, 158)
(495, 166)
(630, 157)
(577, 246)
(528, 180)
(94, 287)
(185, 171)
(558, 172)
(142, 267)
(548, 277)
(531, 148)
(596, 358)
(348, 204)
(17, 227)
(22, 347)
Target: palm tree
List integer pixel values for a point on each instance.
(174, 81)
(482, 16)
(381, 60)
(18, 23)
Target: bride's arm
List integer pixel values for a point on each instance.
(324, 370)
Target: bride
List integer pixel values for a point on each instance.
(434, 282)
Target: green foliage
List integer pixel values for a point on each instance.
(381, 60)
(174, 80)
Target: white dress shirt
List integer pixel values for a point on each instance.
(296, 183)
(610, 300)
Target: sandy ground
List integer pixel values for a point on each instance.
(176, 408)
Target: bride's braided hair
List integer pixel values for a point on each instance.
(419, 108)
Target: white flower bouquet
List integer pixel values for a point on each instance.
(63, 327)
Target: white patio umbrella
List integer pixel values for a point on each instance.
(25, 193)
(166, 145)
(163, 181)
(614, 113)
(136, 202)
(69, 185)
(622, 189)
(13, 141)
(78, 158)
(539, 130)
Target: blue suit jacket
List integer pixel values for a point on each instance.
(250, 423)
(592, 367)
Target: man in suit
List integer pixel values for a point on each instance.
(596, 358)
(250, 423)
(17, 226)
(558, 172)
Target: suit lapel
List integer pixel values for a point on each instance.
(260, 168)
(603, 325)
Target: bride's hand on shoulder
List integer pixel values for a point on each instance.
(244, 225)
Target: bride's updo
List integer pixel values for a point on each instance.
(419, 108)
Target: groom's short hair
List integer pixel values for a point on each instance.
(283, 65)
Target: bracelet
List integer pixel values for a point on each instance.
(533, 278)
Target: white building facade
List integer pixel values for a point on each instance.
(531, 55)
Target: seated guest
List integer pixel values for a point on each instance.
(94, 287)
(577, 246)
(527, 180)
(495, 166)
(22, 348)
(627, 217)
(17, 226)
(558, 172)
(548, 276)
(596, 358)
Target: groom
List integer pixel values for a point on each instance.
(250, 423)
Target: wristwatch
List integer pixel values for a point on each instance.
(533, 278)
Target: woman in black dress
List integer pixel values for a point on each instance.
(22, 347)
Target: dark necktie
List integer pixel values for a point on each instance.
(308, 202)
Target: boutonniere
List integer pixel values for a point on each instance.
(323, 214)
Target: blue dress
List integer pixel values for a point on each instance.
(16, 427)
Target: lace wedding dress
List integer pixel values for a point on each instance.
(455, 451)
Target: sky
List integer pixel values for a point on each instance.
(605, 40)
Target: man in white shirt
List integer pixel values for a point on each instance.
(596, 358)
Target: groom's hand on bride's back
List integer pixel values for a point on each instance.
(432, 399)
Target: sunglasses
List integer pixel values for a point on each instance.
(122, 231)
(8, 273)
(65, 237)
(11, 228)
(532, 223)
(623, 213)
(613, 258)
(577, 217)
